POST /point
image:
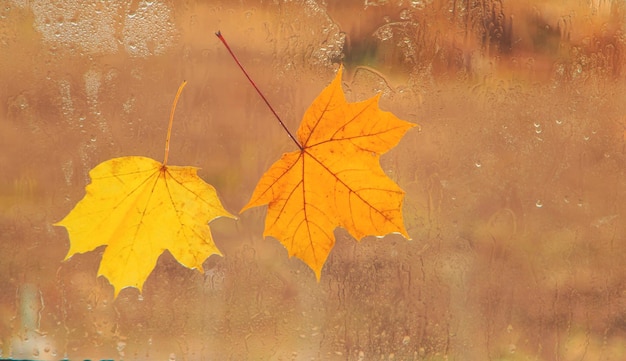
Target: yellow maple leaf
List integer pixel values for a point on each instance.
(139, 207)
(335, 179)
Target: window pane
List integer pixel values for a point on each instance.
(514, 179)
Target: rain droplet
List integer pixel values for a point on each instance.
(478, 164)
(120, 346)
(172, 357)
(539, 204)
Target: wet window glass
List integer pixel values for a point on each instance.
(513, 178)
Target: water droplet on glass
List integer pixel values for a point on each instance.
(406, 340)
(384, 33)
(36, 352)
(140, 298)
(559, 121)
(172, 357)
(478, 164)
(120, 346)
(539, 204)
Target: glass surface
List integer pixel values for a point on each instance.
(515, 185)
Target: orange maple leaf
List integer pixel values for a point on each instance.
(138, 208)
(335, 179)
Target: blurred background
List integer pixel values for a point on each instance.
(515, 184)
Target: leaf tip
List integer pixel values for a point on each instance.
(118, 289)
(318, 275)
(248, 206)
(316, 268)
(69, 254)
(231, 216)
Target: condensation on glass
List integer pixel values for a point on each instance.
(515, 185)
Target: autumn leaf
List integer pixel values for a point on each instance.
(334, 179)
(139, 207)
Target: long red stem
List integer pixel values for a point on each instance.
(219, 35)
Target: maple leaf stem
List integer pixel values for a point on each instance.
(219, 35)
(169, 127)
